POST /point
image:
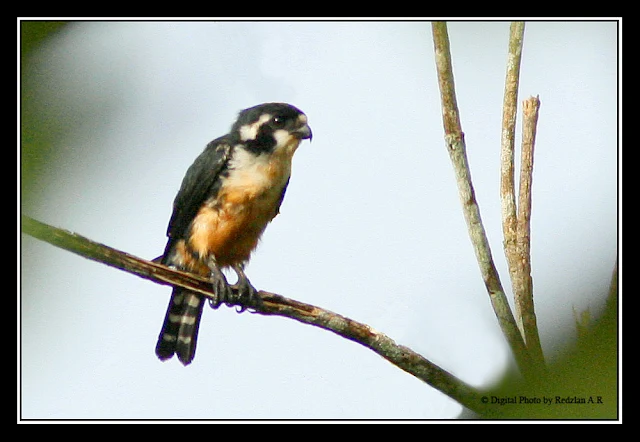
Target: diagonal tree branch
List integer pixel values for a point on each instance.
(272, 304)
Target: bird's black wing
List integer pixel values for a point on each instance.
(199, 183)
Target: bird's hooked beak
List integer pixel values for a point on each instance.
(304, 132)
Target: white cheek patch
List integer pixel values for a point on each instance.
(282, 137)
(250, 131)
(285, 142)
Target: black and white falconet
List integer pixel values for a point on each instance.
(230, 193)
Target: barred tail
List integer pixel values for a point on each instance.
(180, 329)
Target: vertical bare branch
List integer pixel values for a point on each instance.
(450, 114)
(523, 284)
(516, 221)
(454, 138)
(507, 184)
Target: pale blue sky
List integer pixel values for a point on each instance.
(370, 228)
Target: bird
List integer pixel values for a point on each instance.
(228, 196)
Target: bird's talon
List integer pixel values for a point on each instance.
(247, 295)
(221, 288)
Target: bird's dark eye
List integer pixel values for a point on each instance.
(278, 122)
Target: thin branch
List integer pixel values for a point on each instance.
(272, 304)
(515, 226)
(454, 138)
(524, 284)
(507, 184)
